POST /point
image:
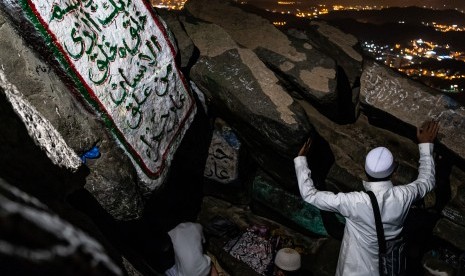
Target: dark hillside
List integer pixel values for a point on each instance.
(391, 33)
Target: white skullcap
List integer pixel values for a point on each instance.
(379, 163)
(287, 259)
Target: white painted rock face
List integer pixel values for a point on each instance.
(37, 88)
(40, 129)
(414, 103)
(120, 59)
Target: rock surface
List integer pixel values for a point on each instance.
(34, 240)
(223, 155)
(450, 231)
(343, 47)
(223, 31)
(411, 103)
(314, 250)
(248, 96)
(274, 88)
(81, 130)
(295, 60)
(184, 44)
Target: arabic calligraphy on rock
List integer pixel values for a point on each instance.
(125, 59)
(222, 162)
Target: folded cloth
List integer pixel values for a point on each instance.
(221, 227)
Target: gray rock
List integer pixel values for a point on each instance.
(246, 29)
(411, 103)
(223, 155)
(343, 47)
(455, 209)
(112, 178)
(37, 241)
(287, 204)
(435, 266)
(449, 231)
(294, 59)
(184, 43)
(347, 72)
(33, 154)
(314, 78)
(247, 95)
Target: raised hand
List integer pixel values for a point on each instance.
(304, 150)
(427, 132)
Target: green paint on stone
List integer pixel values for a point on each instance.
(94, 72)
(288, 205)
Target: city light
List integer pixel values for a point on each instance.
(279, 23)
(407, 58)
(315, 11)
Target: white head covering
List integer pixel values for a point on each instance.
(287, 259)
(187, 238)
(379, 163)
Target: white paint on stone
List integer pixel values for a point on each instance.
(318, 78)
(269, 85)
(308, 46)
(409, 102)
(40, 129)
(249, 30)
(121, 54)
(202, 34)
(435, 272)
(343, 40)
(286, 66)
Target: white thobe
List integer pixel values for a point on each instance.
(359, 250)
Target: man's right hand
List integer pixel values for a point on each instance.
(304, 150)
(427, 132)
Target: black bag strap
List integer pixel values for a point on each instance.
(379, 224)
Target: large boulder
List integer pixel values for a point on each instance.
(123, 93)
(455, 209)
(34, 155)
(186, 48)
(289, 205)
(248, 96)
(451, 232)
(405, 104)
(297, 63)
(343, 47)
(36, 159)
(112, 178)
(34, 240)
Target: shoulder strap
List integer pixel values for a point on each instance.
(379, 224)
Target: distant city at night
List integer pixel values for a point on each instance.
(428, 55)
